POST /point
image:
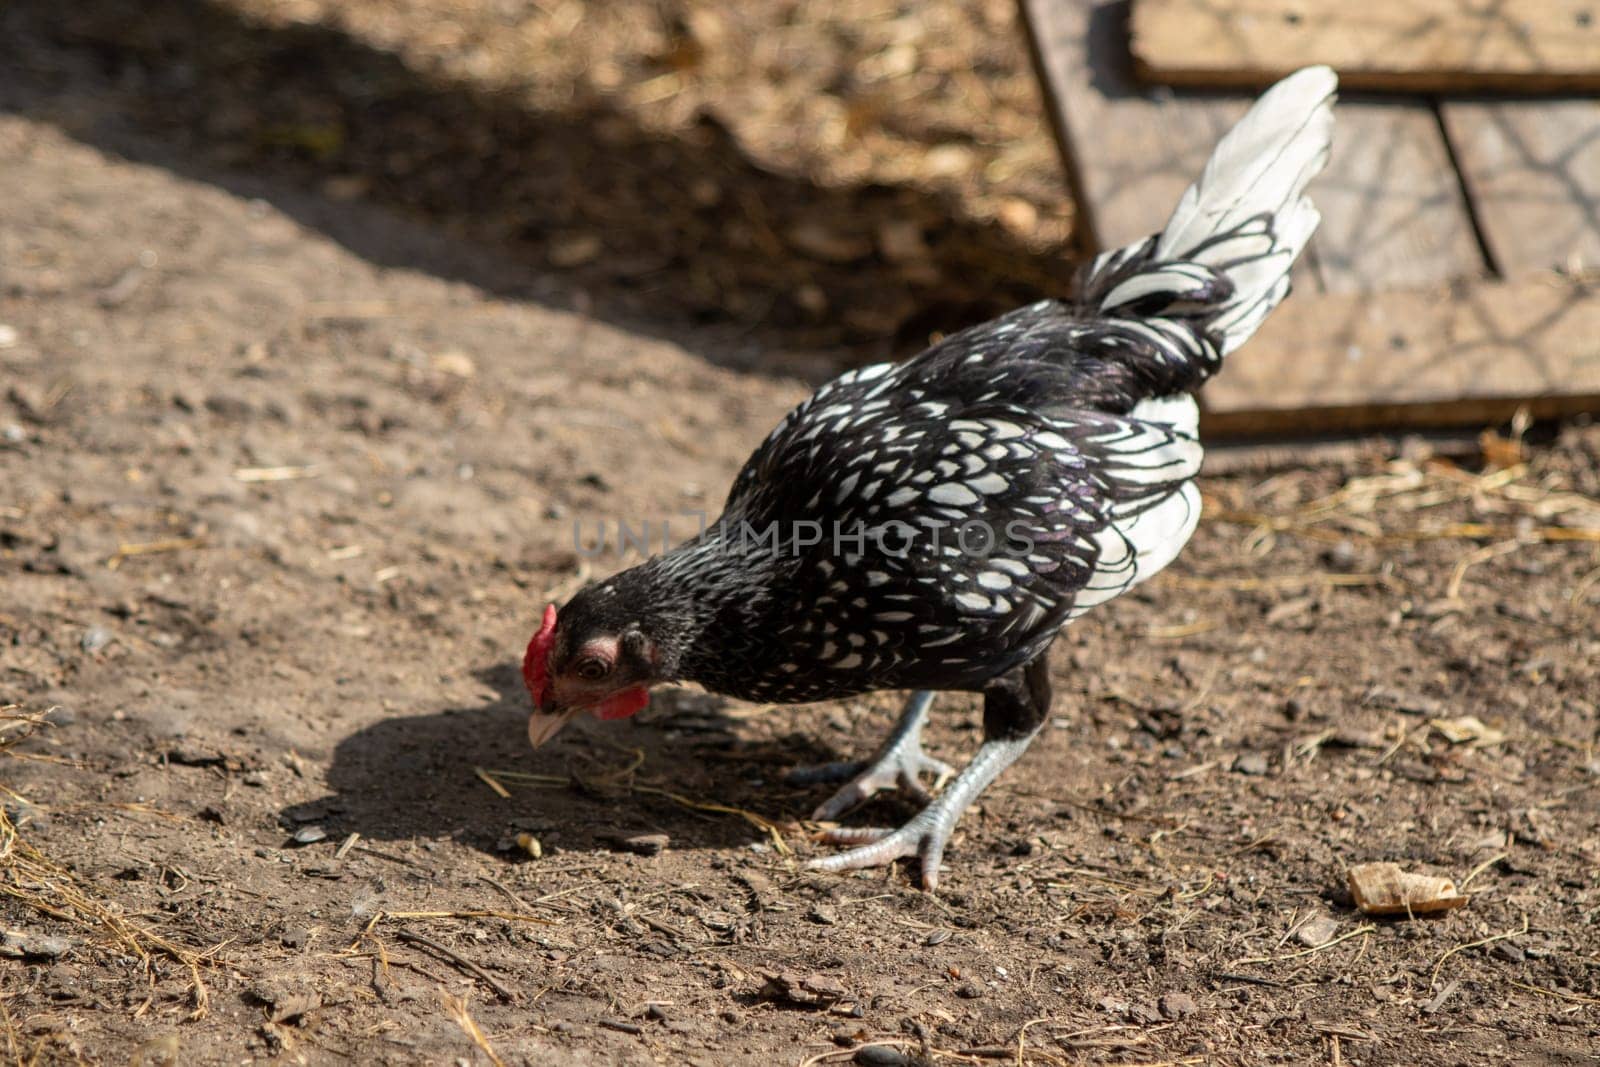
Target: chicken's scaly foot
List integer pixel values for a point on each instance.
(899, 763)
(927, 833)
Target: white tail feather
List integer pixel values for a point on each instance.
(1177, 302)
(1247, 216)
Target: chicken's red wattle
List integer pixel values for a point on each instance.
(626, 703)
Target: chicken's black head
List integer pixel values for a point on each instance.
(596, 655)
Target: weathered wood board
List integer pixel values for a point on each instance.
(1532, 169)
(1443, 46)
(1393, 211)
(1392, 207)
(1469, 353)
(1394, 321)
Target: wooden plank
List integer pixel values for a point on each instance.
(1467, 354)
(1532, 169)
(1533, 46)
(1393, 211)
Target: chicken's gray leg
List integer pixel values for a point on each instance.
(1015, 706)
(899, 762)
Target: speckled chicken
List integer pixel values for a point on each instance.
(934, 524)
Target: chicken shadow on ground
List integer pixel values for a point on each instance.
(571, 206)
(414, 777)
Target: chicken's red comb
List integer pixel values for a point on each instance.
(536, 662)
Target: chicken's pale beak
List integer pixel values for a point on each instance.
(543, 725)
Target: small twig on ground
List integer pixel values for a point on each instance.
(346, 845)
(457, 1007)
(1575, 998)
(1581, 590)
(1234, 976)
(489, 781)
(510, 895)
(1434, 978)
(1023, 1033)
(392, 857)
(1277, 581)
(460, 961)
(11, 1033)
(513, 916)
(1472, 559)
(1357, 932)
(275, 474)
(1480, 868)
(171, 544)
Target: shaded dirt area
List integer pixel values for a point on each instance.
(825, 177)
(286, 478)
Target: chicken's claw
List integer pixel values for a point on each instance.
(925, 837)
(899, 763)
(899, 767)
(928, 831)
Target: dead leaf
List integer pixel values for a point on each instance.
(811, 990)
(1385, 889)
(1467, 730)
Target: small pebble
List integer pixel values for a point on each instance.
(94, 639)
(970, 990)
(881, 1056)
(645, 844)
(1178, 1005)
(938, 937)
(1251, 763)
(309, 835)
(1318, 931)
(1341, 556)
(18, 945)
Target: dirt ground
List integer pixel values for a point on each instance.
(290, 466)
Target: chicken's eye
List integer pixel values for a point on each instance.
(591, 669)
